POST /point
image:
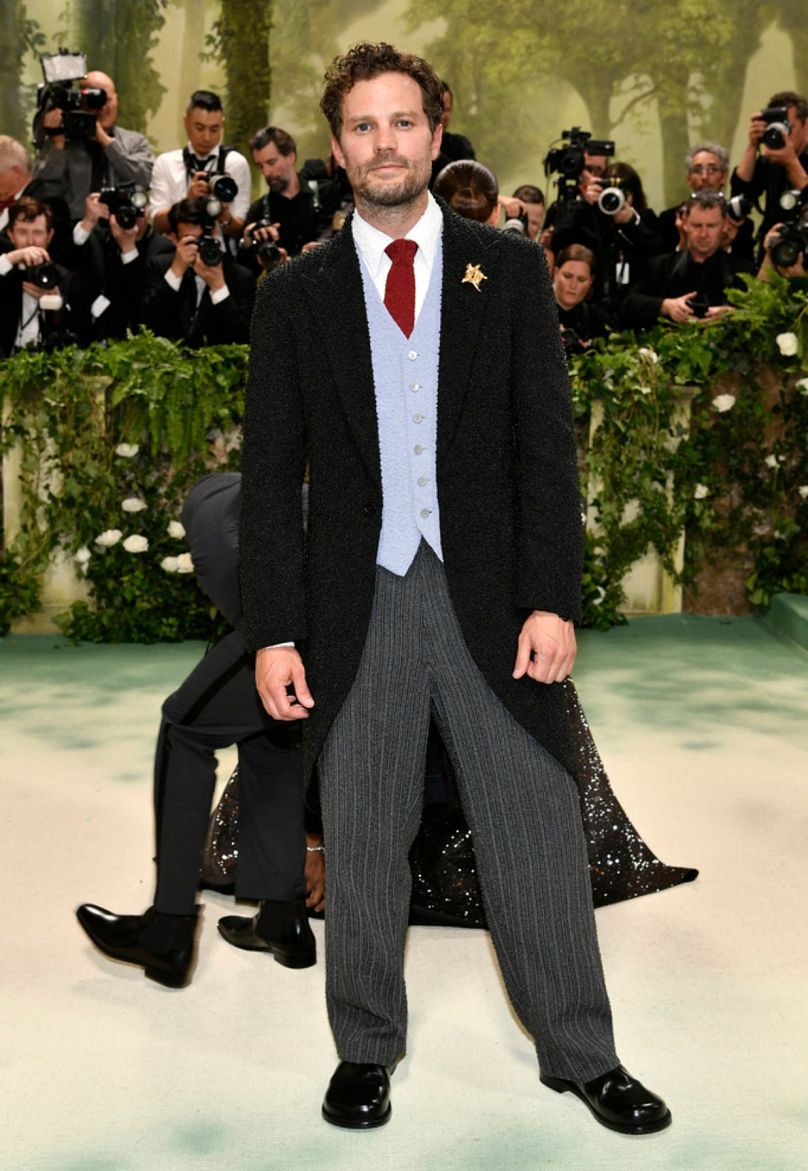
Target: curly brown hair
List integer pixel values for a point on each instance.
(369, 60)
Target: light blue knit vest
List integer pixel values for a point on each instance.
(405, 377)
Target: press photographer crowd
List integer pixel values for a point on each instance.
(99, 238)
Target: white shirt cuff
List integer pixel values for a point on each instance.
(219, 296)
(99, 306)
(275, 646)
(173, 281)
(5, 266)
(80, 234)
(128, 257)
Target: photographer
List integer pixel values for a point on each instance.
(532, 200)
(70, 168)
(42, 304)
(689, 285)
(611, 217)
(199, 295)
(290, 213)
(784, 250)
(112, 244)
(774, 162)
(190, 173)
(707, 169)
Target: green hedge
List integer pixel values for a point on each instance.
(736, 480)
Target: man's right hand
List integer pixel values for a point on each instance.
(29, 256)
(199, 187)
(276, 669)
(54, 120)
(756, 129)
(185, 255)
(677, 308)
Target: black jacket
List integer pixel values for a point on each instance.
(58, 327)
(175, 314)
(510, 508)
(676, 274)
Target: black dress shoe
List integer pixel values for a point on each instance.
(162, 944)
(358, 1096)
(618, 1101)
(280, 928)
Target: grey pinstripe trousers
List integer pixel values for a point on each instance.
(524, 813)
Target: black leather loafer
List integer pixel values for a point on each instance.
(279, 928)
(163, 945)
(618, 1101)
(358, 1096)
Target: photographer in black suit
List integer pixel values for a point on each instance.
(42, 304)
(773, 162)
(198, 295)
(691, 284)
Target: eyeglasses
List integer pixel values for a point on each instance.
(711, 169)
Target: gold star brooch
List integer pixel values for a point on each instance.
(474, 274)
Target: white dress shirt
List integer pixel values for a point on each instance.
(170, 180)
(371, 244)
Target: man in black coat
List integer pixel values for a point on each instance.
(440, 573)
(185, 298)
(691, 284)
(217, 706)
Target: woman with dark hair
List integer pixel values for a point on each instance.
(470, 189)
(580, 316)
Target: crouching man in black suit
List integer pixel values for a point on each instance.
(199, 295)
(217, 705)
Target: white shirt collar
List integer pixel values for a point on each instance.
(371, 242)
(213, 154)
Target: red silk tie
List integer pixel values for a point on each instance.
(399, 292)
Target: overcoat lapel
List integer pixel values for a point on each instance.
(463, 312)
(337, 303)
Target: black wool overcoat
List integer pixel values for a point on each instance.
(510, 510)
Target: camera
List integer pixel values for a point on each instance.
(127, 203)
(777, 127)
(738, 208)
(571, 342)
(44, 276)
(221, 189)
(791, 241)
(79, 105)
(266, 252)
(699, 304)
(208, 248)
(612, 199)
(569, 161)
(517, 224)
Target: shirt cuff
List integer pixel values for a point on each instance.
(128, 257)
(173, 281)
(219, 296)
(5, 266)
(80, 234)
(99, 306)
(275, 646)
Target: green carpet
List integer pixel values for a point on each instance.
(702, 724)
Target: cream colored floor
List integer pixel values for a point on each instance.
(703, 727)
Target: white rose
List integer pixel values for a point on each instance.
(723, 402)
(803, 491)
(647, 352)
(108, 538)
(600, 594)
(701, 491)
(787, 344)
(82, 555)
(644, 389)
(127, 450)
(133, 504)
(169, 564)
(802, 386)
(136, 544)
(185, 563)
(176, 529)
(771, 461)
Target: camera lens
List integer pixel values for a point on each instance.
(611, 200)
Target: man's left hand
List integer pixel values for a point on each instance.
(546, 648)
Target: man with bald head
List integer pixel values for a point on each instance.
(72, 168)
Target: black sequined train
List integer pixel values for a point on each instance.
(445, 888)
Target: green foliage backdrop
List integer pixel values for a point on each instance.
(736, 480)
